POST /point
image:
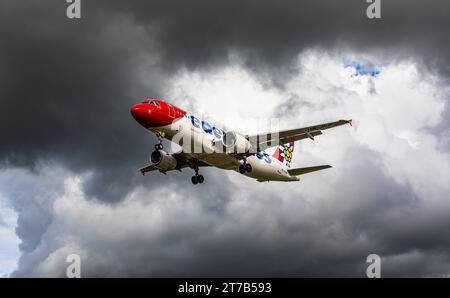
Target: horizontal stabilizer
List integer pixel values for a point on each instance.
(146, 169)
(183, 161)
(301, 171)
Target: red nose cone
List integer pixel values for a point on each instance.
(156, 115)
(135, 110)
(139, 113)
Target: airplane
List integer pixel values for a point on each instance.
(205, 145)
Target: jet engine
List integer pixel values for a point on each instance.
(163, 161)
(236, 143)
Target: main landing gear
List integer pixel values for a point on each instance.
(245, 168)
(197, 178)
(160, 137)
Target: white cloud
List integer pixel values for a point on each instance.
(231, 96)
(392, 113)
(9, 242)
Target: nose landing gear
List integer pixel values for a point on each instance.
(159, 145)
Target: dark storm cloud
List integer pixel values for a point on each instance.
(70, 83)
(271, 34)
(67, 85)
(66, 92)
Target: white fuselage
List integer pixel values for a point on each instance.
(203, 141)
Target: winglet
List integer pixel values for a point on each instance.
(349, 121)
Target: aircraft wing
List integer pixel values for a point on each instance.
(292, 135)
(183, 161)
(301, 171)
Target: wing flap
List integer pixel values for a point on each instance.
(301, 171)
(292, 138)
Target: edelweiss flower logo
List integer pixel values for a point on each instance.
(286, 153)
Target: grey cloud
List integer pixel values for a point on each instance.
(2, 222)
(263, 239)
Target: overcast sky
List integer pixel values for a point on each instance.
(70, 151)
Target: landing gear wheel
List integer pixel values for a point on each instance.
(248, 168)
(242, 169)
(200, 179)
(160, 136)
(197, 178)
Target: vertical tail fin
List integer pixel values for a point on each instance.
(284, 153)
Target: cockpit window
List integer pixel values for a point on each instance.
(146, 101)
(154, 103)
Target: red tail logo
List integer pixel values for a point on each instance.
(284, 153)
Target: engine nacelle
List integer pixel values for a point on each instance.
(163, 161)
(236, 143)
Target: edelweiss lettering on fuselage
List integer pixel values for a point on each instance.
(219, 134)
(208, 128)
(264, 156)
